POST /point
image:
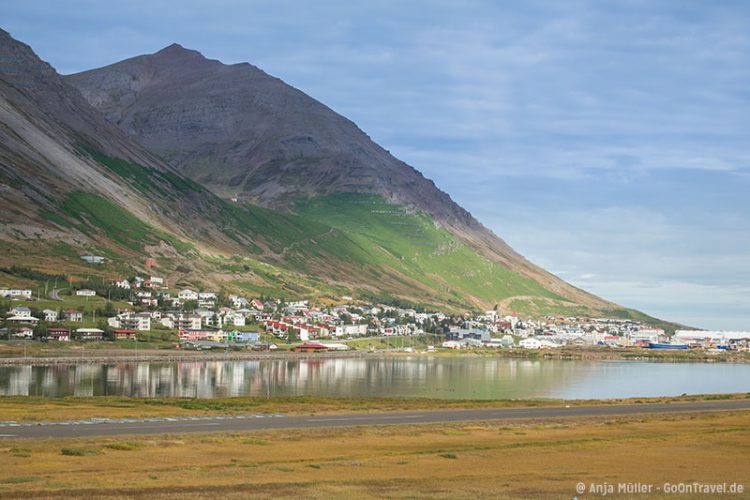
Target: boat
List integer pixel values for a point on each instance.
(657, 345)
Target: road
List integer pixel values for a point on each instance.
(54, 294)
(266, 422)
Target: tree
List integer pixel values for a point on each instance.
(40, 330)
(109, 333)
(107, 311)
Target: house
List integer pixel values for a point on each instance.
(530, 343)
(31, 320)
(124, 284)
(256, 304)
(24, 332)
(350, 330)
(237, 301)
(460, 334)
(90, 334)
(248, 337)
(187, 294)
(234, 319)
(189, 322)
(537, 343)
(85, 292)
(167, 322)
(14, 293)
(197, 335)
(140, 321)
(20, 312)
(125, 334)
(93, 259)
(507, 341)
(135, 321)
(50, 315)
(58, 334)
(647, 334)
(74, 316)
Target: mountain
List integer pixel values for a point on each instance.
(300, 201)
(74, 184)
(250, 136)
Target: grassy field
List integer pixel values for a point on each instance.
(481, 460)
(35, 409)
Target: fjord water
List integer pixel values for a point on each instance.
(430, 377)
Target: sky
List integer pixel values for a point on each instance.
(607, 141)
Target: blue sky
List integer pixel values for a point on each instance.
(607, 141)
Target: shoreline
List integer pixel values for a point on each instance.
(108, 356)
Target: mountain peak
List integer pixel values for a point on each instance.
(176, 50)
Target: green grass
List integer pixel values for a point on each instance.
(408, 247)
(99, 215)
(147, 180)
(78, 451)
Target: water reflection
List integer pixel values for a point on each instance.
(478, 378)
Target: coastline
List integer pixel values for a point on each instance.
(73, 356)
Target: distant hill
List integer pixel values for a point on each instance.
(113, 161)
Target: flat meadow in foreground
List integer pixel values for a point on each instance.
(530, 459)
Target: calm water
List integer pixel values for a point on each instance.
(434, 377)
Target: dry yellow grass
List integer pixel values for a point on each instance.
(491, 459)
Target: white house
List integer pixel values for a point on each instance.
(647, 334)
(16, 293)
(187, 294)
(93, 259)
(124, 284)
(238, 302)
(189, 322)
(350, 330)
(20, 312)
(135, 321)
(85, 292)
(530, 343)
(90, 333)
(50, 315)
(140, 321)
(74, 315)
(234, 319)
(31, 320)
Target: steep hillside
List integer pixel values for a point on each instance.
(77, 184)
(248, 135)
(73, 183)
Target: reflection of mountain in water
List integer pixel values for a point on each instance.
(429, 377)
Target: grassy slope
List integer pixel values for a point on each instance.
(332, 245)
(411, 244)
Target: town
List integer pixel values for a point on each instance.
(143, 308)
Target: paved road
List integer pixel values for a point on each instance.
(54, 294)
(264, 422)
